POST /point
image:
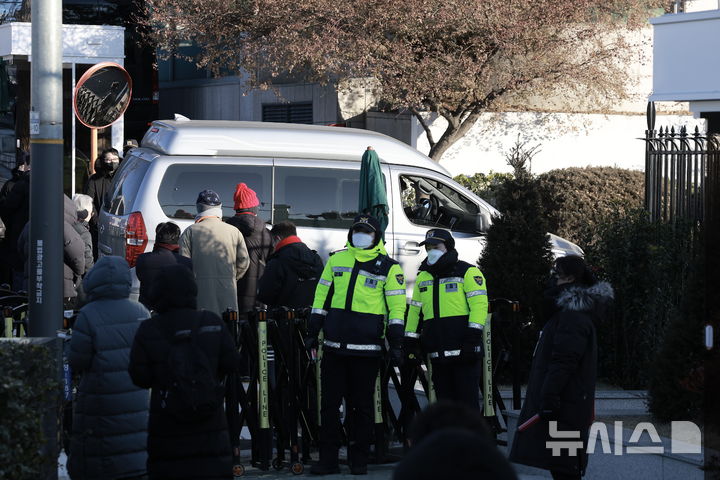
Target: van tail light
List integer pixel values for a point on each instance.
(135, 238)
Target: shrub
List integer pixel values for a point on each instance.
(677, 376)
(578, 200)
(517, 258)
(29, 384)
(484, 186)
(648, 265)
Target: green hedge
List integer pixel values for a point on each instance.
(516, 263)
(28, 385)
(485, 186)
(577, 200)
(649, 266)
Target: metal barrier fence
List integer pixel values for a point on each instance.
(280, 402)
(678, 167)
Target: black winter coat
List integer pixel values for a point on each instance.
(98, 187)
(73, 250)
(259, 246)
(562, 378)
(109, 429)
(15, 213)
(290, 277)
(149, 265)
(193, 450)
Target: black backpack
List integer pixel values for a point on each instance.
(193, 391)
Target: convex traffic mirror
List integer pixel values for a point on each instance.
(102, 95)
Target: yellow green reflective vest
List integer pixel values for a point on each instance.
(359, 297)
(446, 309)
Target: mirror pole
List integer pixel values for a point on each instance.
(93, 149)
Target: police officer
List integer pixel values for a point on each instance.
(446, 316)
(359, 301)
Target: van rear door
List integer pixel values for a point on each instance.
(114, 216)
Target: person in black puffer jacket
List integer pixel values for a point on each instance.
(194, 449)
(257, 241)
(561, 387)
(109, 429)
(292, 271)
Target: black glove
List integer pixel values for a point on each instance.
(472, 349)
(311, 343)
(396, 356)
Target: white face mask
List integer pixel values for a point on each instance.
(434, 255)
(362, 240)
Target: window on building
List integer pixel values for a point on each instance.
(288, 112)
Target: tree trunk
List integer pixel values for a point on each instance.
(455, 130)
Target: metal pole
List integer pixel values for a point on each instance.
(72, 144)
(46, 180)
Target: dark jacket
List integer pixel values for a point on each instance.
(109, 430)
(259, 246)
(149, 265)
(15, 213)
(83, 229)
(562, 378)
(290, 276)
(454, 453)
(97, 187)
(73, 249)
(197, 449)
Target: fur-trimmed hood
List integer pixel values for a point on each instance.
(579, 298)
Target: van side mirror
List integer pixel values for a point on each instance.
(482, 222)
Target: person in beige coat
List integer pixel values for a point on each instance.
(219, 255)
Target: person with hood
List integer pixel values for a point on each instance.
(73, 253)
(561, 387)
(166, 251)
(446, 318)
(359, 302)
(84, 207)
(195, 447)
(451, 440)
(98, 187)
(109, 429)
(218, 253)
(292, 271)
(258, 243)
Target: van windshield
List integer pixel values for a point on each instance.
(182, 183)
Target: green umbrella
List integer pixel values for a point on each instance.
(373, 196)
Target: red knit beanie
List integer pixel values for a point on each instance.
(245, 197)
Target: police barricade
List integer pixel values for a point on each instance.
(280, 403)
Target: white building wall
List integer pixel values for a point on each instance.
(566, 140)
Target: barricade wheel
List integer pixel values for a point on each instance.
(238, 471)
(297, 468)
(277, 464)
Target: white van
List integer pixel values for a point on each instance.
(302, 173)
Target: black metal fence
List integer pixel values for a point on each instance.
(679, 169)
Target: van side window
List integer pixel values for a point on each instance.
(316, 197)
(431, 203)
(182, 183)
(125, 186)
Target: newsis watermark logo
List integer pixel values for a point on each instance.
(685, 438)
